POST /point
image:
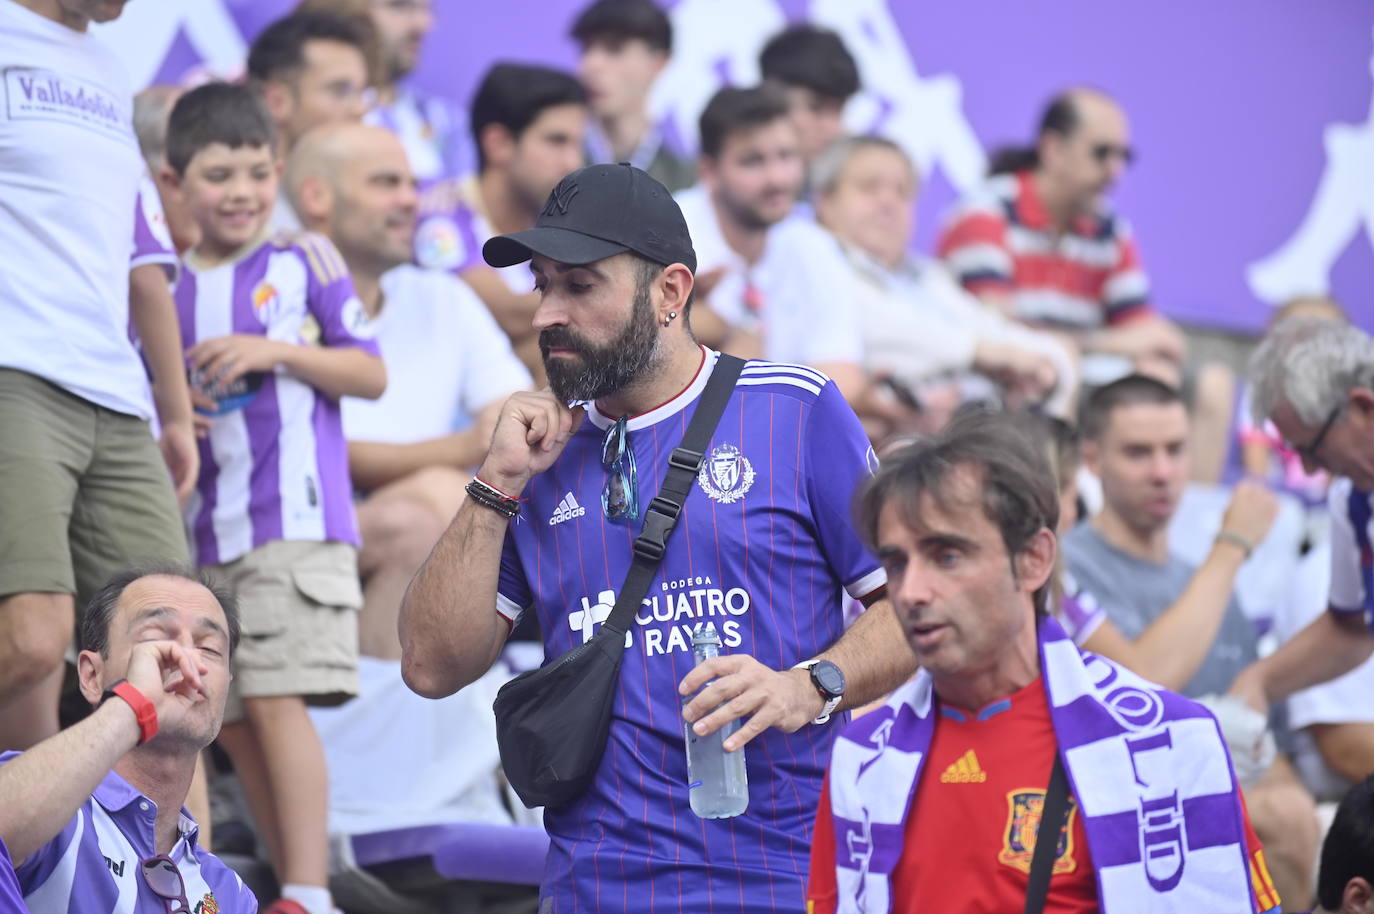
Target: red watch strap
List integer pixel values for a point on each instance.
(144, 711)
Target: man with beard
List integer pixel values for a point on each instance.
(1038, 242)
(783, 286)
(446, 360)
(311, 69)
(940, 800)
(764, 550)
(93, 816)
(528, 124)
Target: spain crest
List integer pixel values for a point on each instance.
(1024, 808)
(208, 904)
(726, 474)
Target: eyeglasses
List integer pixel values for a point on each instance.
(620, 495)
(165, 880)
(1103, 152)
(1308, 452)
(404, 6)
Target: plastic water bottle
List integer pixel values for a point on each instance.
(716, 780)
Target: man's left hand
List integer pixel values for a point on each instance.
(182, 456)
(742, 686)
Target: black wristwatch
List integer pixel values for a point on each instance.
(829, 682)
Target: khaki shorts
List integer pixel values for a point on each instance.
(83, 492)
(298, 608)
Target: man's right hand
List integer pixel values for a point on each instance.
(1026, 373)
(531, 432)
(169, 676)
(1251, 512)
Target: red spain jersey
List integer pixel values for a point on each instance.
(980, 797)
(1000, 240)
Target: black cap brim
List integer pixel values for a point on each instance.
(559, 244)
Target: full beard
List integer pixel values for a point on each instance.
(750, 213)
(600, 371)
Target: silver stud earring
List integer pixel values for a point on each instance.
(672, 315)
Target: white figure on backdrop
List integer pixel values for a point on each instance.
(924, 115)
(1343, 203)
(706, 56)
(144, 35)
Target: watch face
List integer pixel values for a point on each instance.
(828, 678)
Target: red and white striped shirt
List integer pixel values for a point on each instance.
(1000, 240)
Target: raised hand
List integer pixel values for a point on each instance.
(531, 432)
(169, 676)
(1251, 512)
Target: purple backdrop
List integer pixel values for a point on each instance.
(1235, 105)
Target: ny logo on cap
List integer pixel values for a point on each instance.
(560, 198)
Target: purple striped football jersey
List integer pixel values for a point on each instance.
(431, 130)
(275, 464)
(92, 865)
(766, 551)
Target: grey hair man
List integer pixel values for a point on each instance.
(1315, 380)
(920, 329)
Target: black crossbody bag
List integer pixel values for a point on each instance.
(552, 723)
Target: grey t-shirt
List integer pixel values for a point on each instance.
(1135, 592)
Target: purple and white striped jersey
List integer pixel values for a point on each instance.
(152, 240)
(276, 468)
(431, 130)
(451, 229)
(765, 549)
(92, 866)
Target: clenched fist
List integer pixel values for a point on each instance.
(531, 432)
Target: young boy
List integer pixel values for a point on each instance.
(274, 336)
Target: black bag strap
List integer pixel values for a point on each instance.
(1047, 838)
(662, 513)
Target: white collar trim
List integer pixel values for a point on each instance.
(671, 408)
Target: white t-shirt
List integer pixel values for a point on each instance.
(69, 174)
(1350, 507)
(445, 358)
(1343, 700)
(805, 286)
(918, 323)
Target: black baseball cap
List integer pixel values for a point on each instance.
(598, 212)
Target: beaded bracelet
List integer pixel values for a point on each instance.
(491, 497)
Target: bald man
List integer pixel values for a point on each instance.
(1039, 242)
(450, 367)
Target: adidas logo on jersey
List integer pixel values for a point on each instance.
(567, 509)
(965, 771)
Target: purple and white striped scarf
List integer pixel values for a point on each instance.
(1148, 768)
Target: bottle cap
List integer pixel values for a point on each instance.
(705, 634)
